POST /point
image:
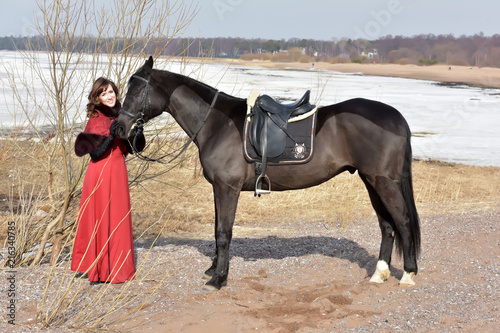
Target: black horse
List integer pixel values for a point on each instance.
(368, 136)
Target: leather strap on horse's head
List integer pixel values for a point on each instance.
(139, 118)
(146, 98)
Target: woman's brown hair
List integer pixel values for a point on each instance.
(97, 88)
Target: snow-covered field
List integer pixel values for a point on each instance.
(449, 123)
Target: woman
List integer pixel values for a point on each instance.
(103, 245)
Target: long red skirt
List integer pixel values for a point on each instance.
(104, 247)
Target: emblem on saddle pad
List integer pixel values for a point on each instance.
(299, 151)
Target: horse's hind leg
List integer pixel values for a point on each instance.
(386, 223)
(391, 198)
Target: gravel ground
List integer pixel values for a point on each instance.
(296, 276)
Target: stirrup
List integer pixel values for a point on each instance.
(258, 185)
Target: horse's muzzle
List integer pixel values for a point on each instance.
(124, 128)
(120, 132)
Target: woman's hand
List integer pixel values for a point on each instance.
(113, 127)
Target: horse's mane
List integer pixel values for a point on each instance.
(233, 107)
(204, 90)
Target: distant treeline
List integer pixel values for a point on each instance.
(476, 50)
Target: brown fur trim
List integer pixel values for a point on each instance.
(110, 112)
(87, 143)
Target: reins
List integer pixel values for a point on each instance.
(140, 122)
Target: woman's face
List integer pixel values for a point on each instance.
(108, 97)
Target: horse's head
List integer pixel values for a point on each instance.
(142, 101)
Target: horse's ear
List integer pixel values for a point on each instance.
(149, 62)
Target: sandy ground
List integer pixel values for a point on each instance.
(486, 77)
(295, 276)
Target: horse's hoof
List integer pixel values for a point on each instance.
(210, 288)
(215, 284)
(407, 279)
(382, 272)
(376, 279)
(209, 273)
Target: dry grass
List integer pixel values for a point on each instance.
(454, 188)
(184, 197)
(439, 188)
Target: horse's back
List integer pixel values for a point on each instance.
(377, 113)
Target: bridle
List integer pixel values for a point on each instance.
(139, 119)
(140, 122)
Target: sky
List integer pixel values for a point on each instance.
(311, 19)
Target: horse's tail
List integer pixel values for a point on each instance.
(411, 209)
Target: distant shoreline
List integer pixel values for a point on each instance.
(484, 77)
(481, 77)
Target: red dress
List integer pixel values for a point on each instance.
(103, 246)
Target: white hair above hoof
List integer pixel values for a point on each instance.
(407, 279)
(382, 272)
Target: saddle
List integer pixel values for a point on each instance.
(267, 134)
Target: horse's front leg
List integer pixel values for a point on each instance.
(226, 201)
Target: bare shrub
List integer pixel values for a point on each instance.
(49, 90)
(406, 61)
(55, 98)
(304, 59)
(295, 53)
(458, 62)
(493, 59)
(281, 57)
(256, 56)
(396, 55)
(339, 60)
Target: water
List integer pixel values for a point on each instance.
(449, 123)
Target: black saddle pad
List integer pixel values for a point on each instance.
(296, 152)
